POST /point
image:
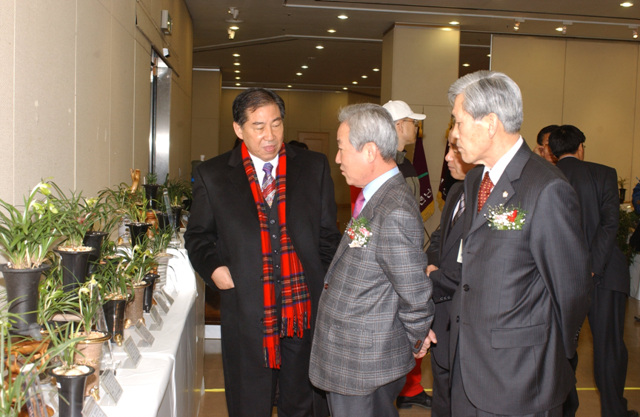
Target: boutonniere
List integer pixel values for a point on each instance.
(506, 218)
(359, 231)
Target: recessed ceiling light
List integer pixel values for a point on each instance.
(289, 86)
(364, 76)
(466, 64)
(236, 55)
(447, 29)
(354, 82)
(234, 27)
(331, 30)
(238, 84)
(305, 67)
(345, 88)
(319, 47)
(626, 4)
(376, 69)
(236, 64)
(343, 17)
(489, 55)
(237, 78)
(454, 23)
(237, 71)
(298, 74)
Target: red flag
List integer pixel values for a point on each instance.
(427, 205)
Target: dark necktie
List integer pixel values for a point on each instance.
(458, 214)
(357, 207)
(268, 184)
(485, 189)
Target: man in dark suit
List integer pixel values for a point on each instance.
(525, 283)
(597, 189)
(444, 270)
(375, 310)
(263, 232)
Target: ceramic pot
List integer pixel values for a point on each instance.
(71, 391)
(151, 193)
(148, 292)
(163, 220)
(94, 239)
(22, 293)
(176, 213)
(133, 311)
(137, 232)
(75, 264)
(114, 315)
(90, 353)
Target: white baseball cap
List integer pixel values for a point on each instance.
(399, 110)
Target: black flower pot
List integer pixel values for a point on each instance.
(71, 392)
(163, 220)
(623, 193)
(94, 239)
(151, 192)
(75, 265)
(114, 315)
(176, 213)
(148, 292)
(22, 294)
(137, 231)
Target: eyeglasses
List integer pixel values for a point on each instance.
(416, 123)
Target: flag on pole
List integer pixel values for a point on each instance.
(446, 180)
(427, 205)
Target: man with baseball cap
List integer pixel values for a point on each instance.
(406, 123)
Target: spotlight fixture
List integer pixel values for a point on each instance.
(635, 34)
(563, 28)
(319, 47)
(233, 11)
(516, 25)
(231, 33)
(454, 23)
(626, 4)
(331, 30)
(234, 27)
(343, 17)
(236, 55)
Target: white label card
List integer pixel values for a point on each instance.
(111, 385)
(144, 333)
(132, 351)
(92, 409)
(169, 298)
(155, 315)
(161, 300)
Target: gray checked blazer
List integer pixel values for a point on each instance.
(376, 306)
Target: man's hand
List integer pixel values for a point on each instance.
(222, 278)
(431, 268)
(431, 338)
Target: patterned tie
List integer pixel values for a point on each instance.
(460, 210)
(358, 206)
(268, 184)
(485, 189)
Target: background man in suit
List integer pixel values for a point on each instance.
(444, 270)
(525, 278)
(375, 309)
(263, 232)
(597, 189)
(406, 124)
(543, 144)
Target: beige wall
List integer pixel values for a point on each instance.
(75, 91)
(593, 85)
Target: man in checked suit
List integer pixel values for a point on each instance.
(525, 281)
(375, 310)
(597, 189)
(444, 271)
(262, 232)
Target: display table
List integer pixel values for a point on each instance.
(168, 379)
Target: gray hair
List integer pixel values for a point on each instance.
(370, 122)
(488, 92)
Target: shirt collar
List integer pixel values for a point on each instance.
(496, 172)
(258, 164)
(370, 189)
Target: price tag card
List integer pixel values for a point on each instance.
(161, 300)
(111, 386)
(91, 408)
(169, 297)
(145, 334)
(155, 315)
(133, 354)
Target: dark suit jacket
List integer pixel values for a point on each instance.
(376, 307)
(523, 294)
(224, 230)
(443, 253)
(597, 189)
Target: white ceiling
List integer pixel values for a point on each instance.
(276, 37)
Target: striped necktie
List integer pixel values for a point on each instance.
(268, 184)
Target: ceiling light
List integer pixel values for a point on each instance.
(298, 74)
(289, 86)
(305, 67)
(234, 27)
(237, 64)
(563, 28)
(343, 17)
(238, 84)
(236, 55)
(364, 76)
(237, 71)
(516, 26)
(345, 88)
(635, 34)
(376, 70)
(331, 30)
(454, 23)
(319, 47)
(354, 82)
(489, 55)
(237, 78)
(466, 64)
(626, 4)
(231, 33)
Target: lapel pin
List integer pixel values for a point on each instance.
(505, 194)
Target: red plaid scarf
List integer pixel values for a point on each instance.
(296, 302)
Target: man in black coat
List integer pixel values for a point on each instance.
(263, 232)
(597, 189)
